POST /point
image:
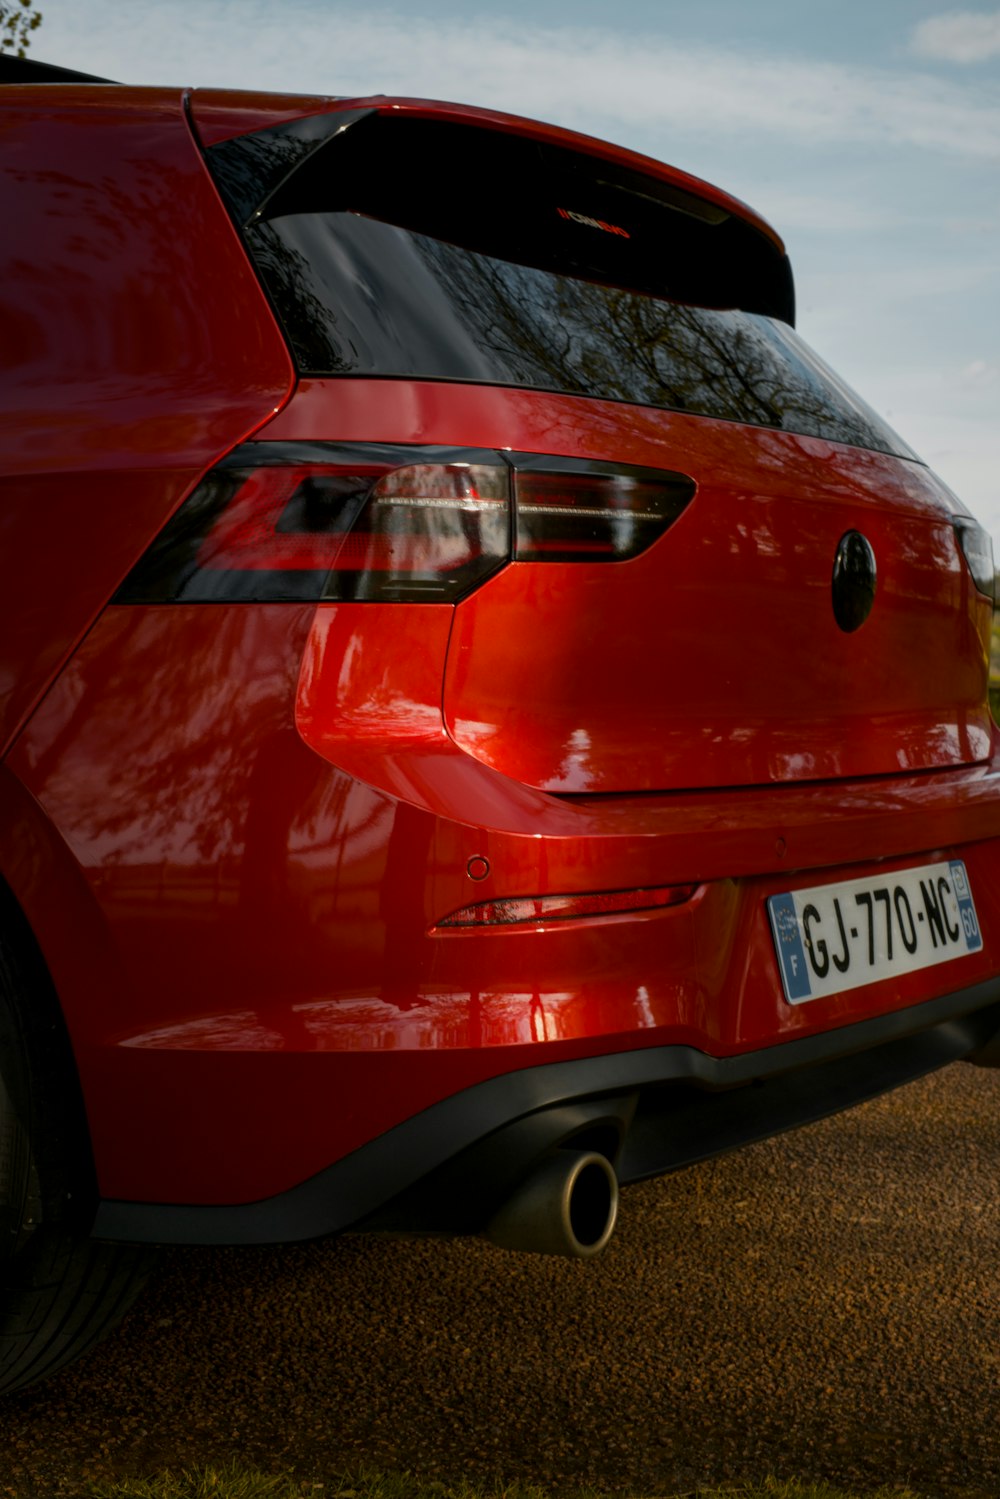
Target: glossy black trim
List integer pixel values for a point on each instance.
(250, 169)
(665, 1107)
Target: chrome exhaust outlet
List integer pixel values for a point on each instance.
(568, 1207)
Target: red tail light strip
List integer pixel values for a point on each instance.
(545, 908)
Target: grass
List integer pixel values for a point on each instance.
(234, 1481)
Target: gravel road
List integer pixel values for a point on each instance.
(824, 1306)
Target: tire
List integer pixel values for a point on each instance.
(60, 1290)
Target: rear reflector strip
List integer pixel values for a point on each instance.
(315, 521)
(545, 908)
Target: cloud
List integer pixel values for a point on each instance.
(965, 457)
(598, 79)
(959, 36)
(835, 212)
(979, 373)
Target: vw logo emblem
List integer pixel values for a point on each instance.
(854, 579)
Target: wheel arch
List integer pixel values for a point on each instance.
(59, 944)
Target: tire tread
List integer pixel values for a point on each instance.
(53, 1312)
(60, 1290)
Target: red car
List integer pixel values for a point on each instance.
(487, 714)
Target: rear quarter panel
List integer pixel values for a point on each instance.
(137, 349)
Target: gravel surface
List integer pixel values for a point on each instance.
(824, 1306)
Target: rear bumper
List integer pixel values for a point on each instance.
(450, 1167)
(246, 939)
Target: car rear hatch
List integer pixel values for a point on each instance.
(739, 575)
(716, 658)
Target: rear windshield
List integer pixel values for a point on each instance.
(433, 251)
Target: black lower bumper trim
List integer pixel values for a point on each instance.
(652, 1111)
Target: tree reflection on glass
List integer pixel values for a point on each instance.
(362, 297)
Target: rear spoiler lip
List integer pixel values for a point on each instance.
(208, 107)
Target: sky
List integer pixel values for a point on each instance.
(866, 131)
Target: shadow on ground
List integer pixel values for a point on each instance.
(826, 1306)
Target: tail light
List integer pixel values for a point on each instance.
(568, 512)
(518, 910)
(325, 521)
(977, 549)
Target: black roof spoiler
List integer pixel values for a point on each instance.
(26, 70)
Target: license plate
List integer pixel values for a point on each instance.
(835, 937)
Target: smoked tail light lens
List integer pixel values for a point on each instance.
(517, 911)
(977, 549)
(569, 512)
(276, 522)
(318, 521)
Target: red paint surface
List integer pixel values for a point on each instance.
(219, 114)
(714, 658)
(265, 872)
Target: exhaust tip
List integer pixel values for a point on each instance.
(568, 1206)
